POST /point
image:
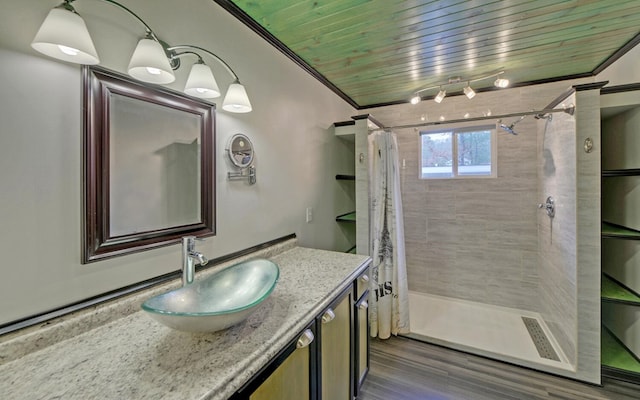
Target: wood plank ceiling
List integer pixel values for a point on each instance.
(375, 52)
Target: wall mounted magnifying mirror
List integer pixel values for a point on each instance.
(240, 150)
(241, 154)
(148, 166)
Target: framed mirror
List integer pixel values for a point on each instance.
(240, 150)
(148, 162)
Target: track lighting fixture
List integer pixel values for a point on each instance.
(63, 35)
(467, 90)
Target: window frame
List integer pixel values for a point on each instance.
(455, 131)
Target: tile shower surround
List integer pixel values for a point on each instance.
(557, 241)
(478, 240)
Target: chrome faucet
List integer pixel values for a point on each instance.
(189, 254)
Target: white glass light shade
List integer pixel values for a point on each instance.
(440, 96)
(416, 99)
(149, 63)
(501, 83)
(64, 35)
(469, 92)
(236, 100)
(201, 82)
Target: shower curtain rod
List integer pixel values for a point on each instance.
(540, 113)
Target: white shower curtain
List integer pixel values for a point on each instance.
(388, 296)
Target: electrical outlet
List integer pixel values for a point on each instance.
(309, 214)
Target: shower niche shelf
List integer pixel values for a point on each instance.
(342, 177)
(617, 358)
(355, 224)
(613, 231)
(620, 232)
(346, 131)
(609, 173)
(347, 217)
(614, 291)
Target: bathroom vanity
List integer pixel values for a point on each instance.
(117, 351)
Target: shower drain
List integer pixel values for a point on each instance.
(543, 345)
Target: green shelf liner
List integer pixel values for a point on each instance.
(348, 217)
(614, 355)
(612, 290)
(610, 230)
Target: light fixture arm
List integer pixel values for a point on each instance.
(146, 26)
(174, 56)
(66, 4)
(497, 74)
(189, 46)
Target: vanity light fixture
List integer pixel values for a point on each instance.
(63, 35)
(149, 63)
(467, 90)
(201, 82)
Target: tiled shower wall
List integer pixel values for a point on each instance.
(475, 239)
(557, 236)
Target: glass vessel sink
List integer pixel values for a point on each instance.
(217, 301)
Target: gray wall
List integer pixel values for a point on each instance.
(40, 151)
(475, 239)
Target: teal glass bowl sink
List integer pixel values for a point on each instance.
(218, 301)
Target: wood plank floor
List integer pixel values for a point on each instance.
(406, 369)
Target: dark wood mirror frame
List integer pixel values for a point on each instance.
(98, 85)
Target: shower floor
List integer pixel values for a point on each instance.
(491, 331)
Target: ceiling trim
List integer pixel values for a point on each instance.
(618, 53)
(628, 87)
(266, 35)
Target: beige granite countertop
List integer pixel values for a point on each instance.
(134, 357)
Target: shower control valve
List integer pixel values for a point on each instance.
(549, 206)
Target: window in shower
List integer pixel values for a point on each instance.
(468, 152)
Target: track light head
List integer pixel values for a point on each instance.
(501, 82)
(416, 99)
(440, 96)
(469, 92)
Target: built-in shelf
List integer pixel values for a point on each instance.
(620, 172)
(616, 356)
(615, 292)
(342, 177)
(348, 217)
(617, 231)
